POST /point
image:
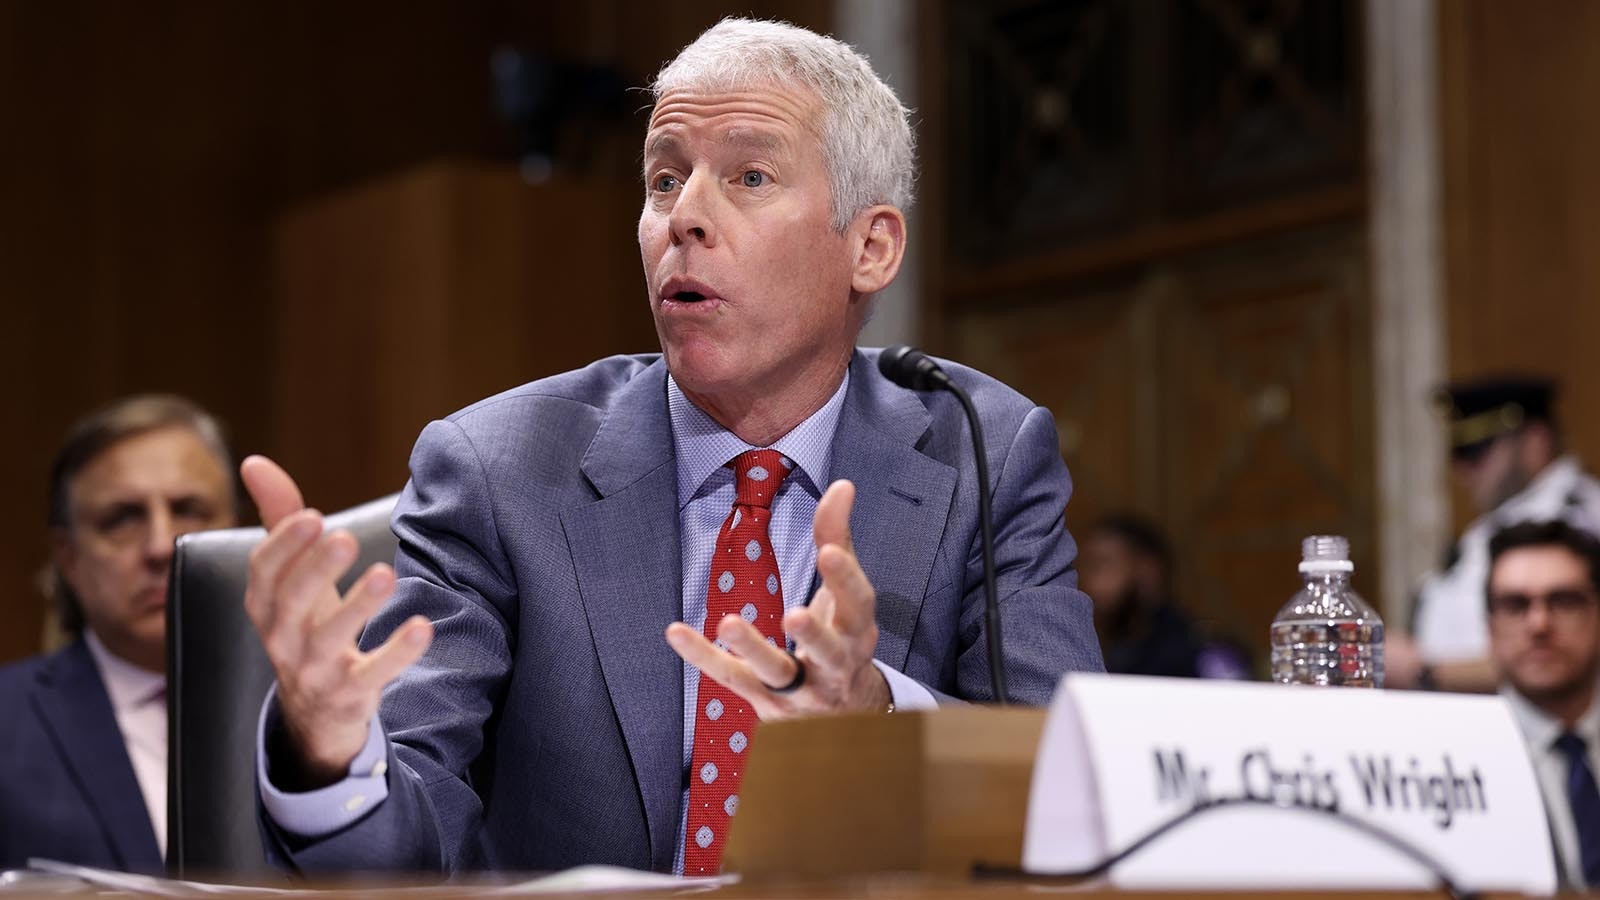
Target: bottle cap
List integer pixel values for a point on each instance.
(1325, 553)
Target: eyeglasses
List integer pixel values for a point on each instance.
(1566, 603)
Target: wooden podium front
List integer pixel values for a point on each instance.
(932, 792)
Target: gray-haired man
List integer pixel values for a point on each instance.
(607, 577)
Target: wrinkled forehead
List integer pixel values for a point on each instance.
(775, 104)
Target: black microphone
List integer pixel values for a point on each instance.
(911, 368)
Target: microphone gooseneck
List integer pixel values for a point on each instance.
(913, 369)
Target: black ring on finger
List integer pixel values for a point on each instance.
(796, 682)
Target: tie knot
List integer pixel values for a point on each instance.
(756, 476)
(1570, 745)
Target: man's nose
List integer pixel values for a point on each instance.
(159, 540)
(693, 219)
(1539, 616)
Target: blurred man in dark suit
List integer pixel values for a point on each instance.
(1544, 638)
(83, 766)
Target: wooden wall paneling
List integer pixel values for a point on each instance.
(1224, 394)
(126, 266)
(1224, 270)
(930, 123)
(433, 289)
(1522, 198)
(1270, 426)
(1090, 359)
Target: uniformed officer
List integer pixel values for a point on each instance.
(1507, 455)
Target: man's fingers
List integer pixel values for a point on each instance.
(403, 648)
(831, 524)
(311, 579)
(853, 596)
(343, 625)
(713, 663)
(274, 492)
(769, 663)
(821, 644)
(293, 536)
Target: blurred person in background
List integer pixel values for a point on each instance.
(1543, 606)
(1507, 455)
(83, 766)
(1126, 569)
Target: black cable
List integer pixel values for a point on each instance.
(991, 610)
(1382, 835)
(912, 369)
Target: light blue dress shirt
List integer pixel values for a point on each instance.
(705, 497)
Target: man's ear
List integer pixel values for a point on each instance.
(880, 240)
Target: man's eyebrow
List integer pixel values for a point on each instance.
(662, 144)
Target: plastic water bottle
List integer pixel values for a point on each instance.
(1327, 634)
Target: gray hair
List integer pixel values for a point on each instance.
(866, 133)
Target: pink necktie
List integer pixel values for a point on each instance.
(744, 581)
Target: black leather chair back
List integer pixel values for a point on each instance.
(217, 677)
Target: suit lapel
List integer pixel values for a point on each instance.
(625, 551)
(902, 499)
(76, 710)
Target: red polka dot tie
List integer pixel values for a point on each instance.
(744, 581)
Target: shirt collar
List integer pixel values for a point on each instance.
(1541, 729)
(703, 446)
(128, 685)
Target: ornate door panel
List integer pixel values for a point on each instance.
(1153, 222)
(1087, 359)
(1223, 394)
(1266, 428)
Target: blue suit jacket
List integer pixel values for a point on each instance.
(67, 789)
(539, 532)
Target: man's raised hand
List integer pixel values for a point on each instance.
(328, 689)
(834, 636)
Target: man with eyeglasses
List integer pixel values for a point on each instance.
(1507, 457)
(1544, 639)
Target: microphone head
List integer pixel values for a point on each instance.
(911, 368)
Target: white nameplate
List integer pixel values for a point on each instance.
(1447, 774)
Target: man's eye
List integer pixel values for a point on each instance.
(753, 179)
(117, 517)
(666, 183)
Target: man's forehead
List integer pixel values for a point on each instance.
(669, 140)
(1537, 566)
(773, 105)
(168, 461)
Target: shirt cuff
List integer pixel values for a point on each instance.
(907, 692)
(313, 814)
